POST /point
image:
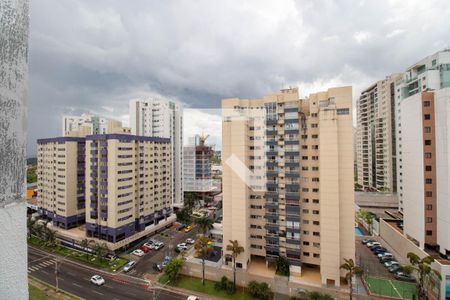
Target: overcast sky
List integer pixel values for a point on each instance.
(94, 56)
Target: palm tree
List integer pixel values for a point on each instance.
(424, 271)
(50, 237)
(101, 250)
(84, 244)
(235, 249)
(31, 224)
(202, 249)
(204, 224)
(352, 270)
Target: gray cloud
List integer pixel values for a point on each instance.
(93, 56)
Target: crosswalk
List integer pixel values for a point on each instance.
(41, 265)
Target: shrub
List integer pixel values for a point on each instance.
(282, 266)
(319, 296)
(259, 290)
(224, 285)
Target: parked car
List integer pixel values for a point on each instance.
(157, 267)
(193, 298)
(165, 261)
(373, 244)
(138, 252)
(394, 268)
(405, 277)
(129, 266)
(365, 241)
(384, 255)
(181, 227)
(390, 263)
(379, 251)
(190, 241)
(158, 245)
(145, 248)
(386, 259)
(110, 256)
(97, 280)
(378, 248)
(188, 228)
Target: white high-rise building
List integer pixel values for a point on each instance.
(161, 118)
(96, 124)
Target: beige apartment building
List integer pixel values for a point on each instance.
(375, 136)
(288, 179)
(61, 175)
(128, 186)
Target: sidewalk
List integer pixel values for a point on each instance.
(49, 291)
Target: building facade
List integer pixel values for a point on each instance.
(375, 136)
(159, 118)
(197, 158)
(61, 180)
(128, 184)
(288, 179)
(95, 124)
(423, 106)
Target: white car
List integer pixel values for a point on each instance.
(158, 245)
(385, 254)
(193, 298)
(389, 264)
(129, 266)
(97, 280)
(138, 252)
(373, 244)
(189, 241)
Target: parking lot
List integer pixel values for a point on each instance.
(170, 237)
(369, 262)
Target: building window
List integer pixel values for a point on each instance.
(428, 194)
(427, 117)
(316, 255)
(427, 103)
(428, 181)
(305, 253)
(429, 207)
(429, 232)
(428, 168)
(427, 142)
(343, 111)
(427, 155)
(429, 220)
(427, 129)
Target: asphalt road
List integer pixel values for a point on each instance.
(75, 279)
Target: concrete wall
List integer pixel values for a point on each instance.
(14, 22)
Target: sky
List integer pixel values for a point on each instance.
(95, 56)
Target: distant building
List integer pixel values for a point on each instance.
(375, 136)
(197, 158)
(159, 118)
(95, 124)
(288, 180)
(423, 143)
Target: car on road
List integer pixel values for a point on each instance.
(158, 245)
(129, 266)
(365, 241)
(190, 241)
(193, 298)
(138, 252)
(404, 277)
(188, 228)
(97, 280)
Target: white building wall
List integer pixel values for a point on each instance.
(442, 125)
(161, 118)
(412, 162)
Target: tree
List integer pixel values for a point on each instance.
(84, 244)
(235, 250)
(202, 249)
(172, 269)
(282, 266)
(319, 296)
(183, 215)
(367, 217)
(259, 290)
(204, 224)
(424, 272)
(190, 201)
(352, 270)
(31, 224)
(101, 250)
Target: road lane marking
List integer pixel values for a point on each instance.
(76, 284)
(98, 292)
(45, 272)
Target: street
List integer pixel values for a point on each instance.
(75, 278)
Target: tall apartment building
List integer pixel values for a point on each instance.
(96, 124)
(375, 137)
(128, 184)
(423, 140)
(197, 158)
(61, 180)
(159, 118)
(288, 179)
